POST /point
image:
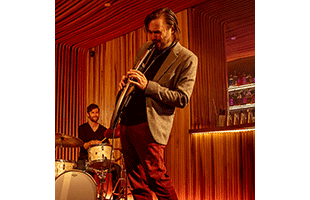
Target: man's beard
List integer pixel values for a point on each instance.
(94, 119)
(163, 44)
(159, 44)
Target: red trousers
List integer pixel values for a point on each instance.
(144, 161)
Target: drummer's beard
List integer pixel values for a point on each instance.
(94, 118)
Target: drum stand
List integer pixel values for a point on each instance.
(102, 175)
(122, 181)
(123, 193)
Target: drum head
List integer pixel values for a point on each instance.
(75, 184)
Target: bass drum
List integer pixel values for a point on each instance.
(75, 184)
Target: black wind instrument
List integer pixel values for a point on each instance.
(125, 94)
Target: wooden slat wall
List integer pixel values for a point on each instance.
(70, 110)
(111, 61)
(223, 165)
(207, 41)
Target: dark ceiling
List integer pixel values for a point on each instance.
(89, 23)
(239, 18)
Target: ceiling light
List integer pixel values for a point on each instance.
(107, 4)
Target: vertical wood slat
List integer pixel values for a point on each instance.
(70, 95)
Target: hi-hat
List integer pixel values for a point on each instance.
(63, 140)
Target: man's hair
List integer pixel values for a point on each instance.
(169, 16)
(92, 107)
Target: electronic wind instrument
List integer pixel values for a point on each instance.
(125, 94)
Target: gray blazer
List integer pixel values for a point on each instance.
(171, 87)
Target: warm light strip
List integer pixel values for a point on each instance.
(226, 131)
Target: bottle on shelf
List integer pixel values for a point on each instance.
(230, 119)
(239, 98)
(248, 96)
(253, 96)
(239, 79)
(248, 79)
(244, 92)
(243, 118)
(235, 118)
(243, 79)
(231, 99)
(249, 116)
(235, 100)
(231, 80)
(235, 79)
(221, 119)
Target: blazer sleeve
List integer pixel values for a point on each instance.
(176, 86)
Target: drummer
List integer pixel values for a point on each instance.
(91, 133)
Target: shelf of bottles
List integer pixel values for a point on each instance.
(241, 93)
(241, 97)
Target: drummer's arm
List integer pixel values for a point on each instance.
(86, 145)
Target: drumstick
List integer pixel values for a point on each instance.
(90, 143)
(103, 139)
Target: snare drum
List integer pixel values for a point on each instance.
(75, 184)
(99, 156)
(63, 165)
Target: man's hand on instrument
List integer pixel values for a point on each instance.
(137, 78)
(122, 83)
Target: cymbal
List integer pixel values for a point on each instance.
(63, 140)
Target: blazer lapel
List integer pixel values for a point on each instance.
(173, 55)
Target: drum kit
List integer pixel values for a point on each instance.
(73, 184)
